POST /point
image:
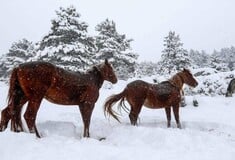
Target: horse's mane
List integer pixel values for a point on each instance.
(95, 68)
(92, 69)
(96, 72)
(177, 80)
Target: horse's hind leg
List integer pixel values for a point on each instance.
(5, 118)
(30, 115)
(16, 123)
(168, 116)
(14, 114)
(176, 114)
(134, 113)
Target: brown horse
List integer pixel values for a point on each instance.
(33, 81)
(162, 95)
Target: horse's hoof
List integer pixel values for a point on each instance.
(37, 135)
(102, 139)
(179, 126)
(86, 136)
(32, 131)
(14, 129)
(183, 105)
(195, 103)
(2, 128)
(19, 130)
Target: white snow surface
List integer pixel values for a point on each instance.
(208, 133)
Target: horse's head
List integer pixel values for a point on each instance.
(108, 72)
(188, 78)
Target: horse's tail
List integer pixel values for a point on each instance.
(111, 101)
(14, 88)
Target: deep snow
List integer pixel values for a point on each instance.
(208, 133)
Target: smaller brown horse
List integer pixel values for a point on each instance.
(33, 81)
(154, 96)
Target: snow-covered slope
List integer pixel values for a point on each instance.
(208, 133)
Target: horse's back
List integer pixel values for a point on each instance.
(162, 95)
(35, 64)
(164, 88)
(138, 87)
(45, 72)
(36, 71)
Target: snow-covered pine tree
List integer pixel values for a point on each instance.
(146, 68)
(199, 59)
(231, 59)
(115, 47)
(227, 56)
(68, 43)
(20, 52)
(217, 62)
(174, 56)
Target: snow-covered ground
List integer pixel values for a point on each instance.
(208, 133)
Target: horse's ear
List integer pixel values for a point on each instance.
(185, 70)
(106, 61)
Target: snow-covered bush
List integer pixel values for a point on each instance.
(210, 83)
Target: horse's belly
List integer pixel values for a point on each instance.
(57, 101)
(154, 104)
(151, 105)
(59, 98)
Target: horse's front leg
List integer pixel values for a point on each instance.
(86, 109)
(168, 116)
(176, 114)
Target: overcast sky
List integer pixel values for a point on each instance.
(201, 24)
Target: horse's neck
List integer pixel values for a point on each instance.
(96, 77)
(177, 81)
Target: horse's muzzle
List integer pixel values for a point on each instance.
(195, 84)
(114, 81)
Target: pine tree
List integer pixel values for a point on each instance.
(68, 43)
(115, 47)
(226, 56)
(174, 57)
(217, 62)
(146, 68)
(231, 59)
(20, 52)
(199, 59)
